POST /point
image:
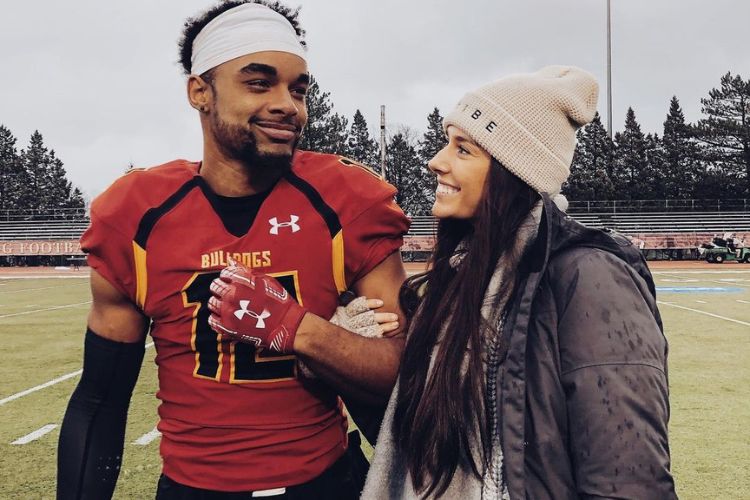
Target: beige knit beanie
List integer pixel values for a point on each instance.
(528, 122)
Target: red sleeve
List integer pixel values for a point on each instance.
(110, 253)
(372, 236)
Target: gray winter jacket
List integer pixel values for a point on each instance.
(583, 392)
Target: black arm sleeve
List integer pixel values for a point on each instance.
(93, 430)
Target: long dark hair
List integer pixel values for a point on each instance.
(437, 416)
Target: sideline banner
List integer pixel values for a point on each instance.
(40, 247)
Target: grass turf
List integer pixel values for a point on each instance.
(709, 379)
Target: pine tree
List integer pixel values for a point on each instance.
(338, 136)
(58, 191)
(432, 142)
(326, 131)
(404, 166)
(35, 161)
(654, 175)
(10, 168)
(361, 147)
(725, 133)
(42, 182)
(592, 164)
(681, 155)
(434, 139)
(75, 200)
(631, 165)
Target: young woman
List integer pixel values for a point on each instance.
(535, 365)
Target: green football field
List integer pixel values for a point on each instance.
(707, 319)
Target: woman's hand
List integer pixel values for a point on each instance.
(359, 316)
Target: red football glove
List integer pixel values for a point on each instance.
(251, 307)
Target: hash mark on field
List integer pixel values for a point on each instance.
(742, 301)
(35, 435)
(704, 312)
(48, 384)
(701, 302)
(147, 438)
(46, 309)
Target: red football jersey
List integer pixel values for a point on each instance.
(233, 419)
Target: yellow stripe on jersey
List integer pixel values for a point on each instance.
(141, 275)
(339, 274)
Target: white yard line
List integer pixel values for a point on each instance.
(724, 282)
(743, 301)
(147, 438)
(677, 271)
(37, 289)
(40, 387)
(704, 312)
(43, 277)
(46, 309)
(48, 384)
(729, 283)
(35, 435)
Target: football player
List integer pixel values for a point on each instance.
(237, 418)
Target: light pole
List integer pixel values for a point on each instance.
(609, 69)
(383, 165)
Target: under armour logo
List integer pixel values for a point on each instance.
(275, 224)
(260, 318)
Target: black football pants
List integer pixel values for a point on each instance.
(342, 481)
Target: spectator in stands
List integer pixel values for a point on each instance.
(535, 364)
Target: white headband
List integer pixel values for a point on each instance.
(243, 30)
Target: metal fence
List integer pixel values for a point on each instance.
(625, 206)
(70, 214)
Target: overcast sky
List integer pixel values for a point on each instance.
(100, 80)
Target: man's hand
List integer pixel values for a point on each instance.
(253, 308)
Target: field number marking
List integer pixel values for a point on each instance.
(46, 309)
(704, 312)
(147, 438)
(35, 435)
(48, 384)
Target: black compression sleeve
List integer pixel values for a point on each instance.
(93, 430)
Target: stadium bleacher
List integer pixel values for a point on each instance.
(662, 234)
(636, 223)
(42, 230)
(660, 227)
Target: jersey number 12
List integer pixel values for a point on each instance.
(246, 363)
